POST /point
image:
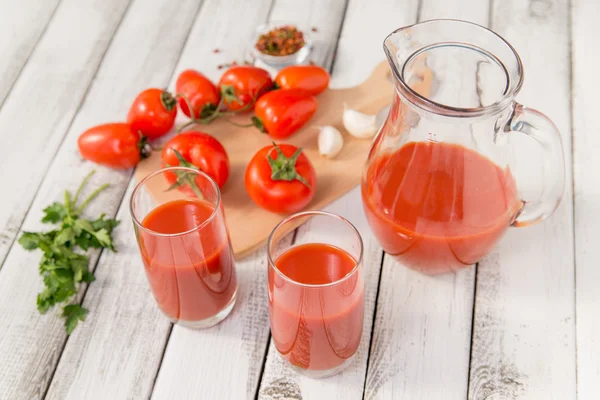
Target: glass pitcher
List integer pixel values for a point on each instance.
(439, 188)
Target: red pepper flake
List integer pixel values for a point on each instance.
(216, 51)
(281, 41)
(311, 62)
(220, 66)
(314, 29)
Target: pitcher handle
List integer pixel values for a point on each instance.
(539, 127)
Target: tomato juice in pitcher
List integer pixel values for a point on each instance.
(438, 189)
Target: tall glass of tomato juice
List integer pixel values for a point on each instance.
(316, 292)
(184, 243)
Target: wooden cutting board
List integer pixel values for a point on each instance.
(249, 225)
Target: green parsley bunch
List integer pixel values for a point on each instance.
(62, 267)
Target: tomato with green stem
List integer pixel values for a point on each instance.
(282, 112)
(281, 179)
(153, 113)
(312, 78)
(197, 150)
(241, 85)
(114, 145)
(196, 91)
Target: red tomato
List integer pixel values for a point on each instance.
(282, 112)
(198, 90)
(311, 78)
(113, 145)
(242, 85)
(153, 113)
(202, 151)
(280, 178)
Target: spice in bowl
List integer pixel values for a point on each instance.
(281, 41)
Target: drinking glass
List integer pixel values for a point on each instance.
(316, 292)
(188, 259)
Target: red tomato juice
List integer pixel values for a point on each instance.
(316, 327)
(192, 272)
(438, 207)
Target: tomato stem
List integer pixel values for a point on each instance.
(184, 177)
(210, 113)
(144, 146)
(168, 101)
(284, 168)
(240, 125)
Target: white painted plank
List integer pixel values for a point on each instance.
(524, 328)
(473, 11)
(225, 361)
(21, 25)
(586, 142)
(44, 99)
(32, 344)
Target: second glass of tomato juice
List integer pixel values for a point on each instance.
(316, 292)
(181, 233)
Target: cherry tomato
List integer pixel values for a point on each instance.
(200, 150)
(152, 113)
(282, 112)
(280, 178)
(311, 78)
(113, 145)
(198, 90)
(242, 85)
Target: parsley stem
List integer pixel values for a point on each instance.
(80, 188)
(68, 203)
(91, 197)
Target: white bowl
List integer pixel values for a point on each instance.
(280, 61)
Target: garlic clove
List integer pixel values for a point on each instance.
(358, 124)
(330, 141)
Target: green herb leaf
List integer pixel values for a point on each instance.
(30, 240)
(91, 237)
(73, 314)
(62, 268)
(88, 277)
(101, 223)
(65, 237)
(54, 213)
(104, 239)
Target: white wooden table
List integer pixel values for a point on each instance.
(523, 324)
